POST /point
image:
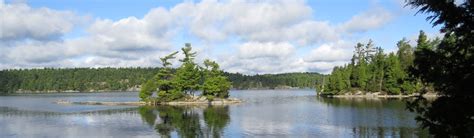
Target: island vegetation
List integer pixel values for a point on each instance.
(186, 80)
(371, 70)
(444, 66)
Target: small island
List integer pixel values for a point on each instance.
(178, 86)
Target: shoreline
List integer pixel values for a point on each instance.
(135, 90)
(376, 95)
(228, 101)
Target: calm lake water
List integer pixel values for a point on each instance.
(265, 113)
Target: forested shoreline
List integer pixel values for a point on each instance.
(129, 79)
(371, 70)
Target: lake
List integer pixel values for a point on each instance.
(264, 113)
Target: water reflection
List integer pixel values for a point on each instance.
(15, 112)
(373, 117)
(272, 113)
(185, 121)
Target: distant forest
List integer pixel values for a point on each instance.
(130, 79)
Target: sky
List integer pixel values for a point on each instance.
(245, 36)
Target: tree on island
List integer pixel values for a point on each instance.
(215, 83)
(161, 82)
(188, 76)
(185, 80)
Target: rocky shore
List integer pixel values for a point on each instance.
(378, 95)
(192, 100)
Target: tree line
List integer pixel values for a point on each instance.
(74, 79)
(373, 70)
(444, 66)
(275, 81)
(130, 79)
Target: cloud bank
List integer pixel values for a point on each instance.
(244, 36)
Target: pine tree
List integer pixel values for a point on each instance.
(215, 83)
(162, 81)
(188, 75)
(405, 53)
(448, 67)
(394, 74)
(147, 90)
(377, 71)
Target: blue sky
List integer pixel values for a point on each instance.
(247, 36)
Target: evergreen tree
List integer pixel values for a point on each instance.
(188, 75)
(448, 67)
(377, 70)
(147, 90)
(394, 74)
(406, 57)
(405, 53)
(215, 84)
(166, 86)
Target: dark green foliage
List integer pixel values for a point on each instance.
(185, 121)
(75, 79)
(147, 90)
(160, 82)
(378, 71)
(188, 76)
(405, 53)
(394, 75)
(338, 81)
(9, 82)
(167, 87)
(216, 119)
(275, 81)
(453, 58)
(215, 83)
(359, 76)
(447, 67)
(97, 79)
(371, 70)
(146, 112)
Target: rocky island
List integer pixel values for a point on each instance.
(190, 101)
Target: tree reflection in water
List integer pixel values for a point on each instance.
(373, 117)
(185, 121)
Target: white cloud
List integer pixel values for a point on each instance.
(368, 20)
(37, 52)
(331, 52)
(19, 21)
(311, 32)
(131, 34)
(261, 21)
(266, 36)
(265, 50)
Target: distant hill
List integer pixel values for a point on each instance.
(130, 79)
